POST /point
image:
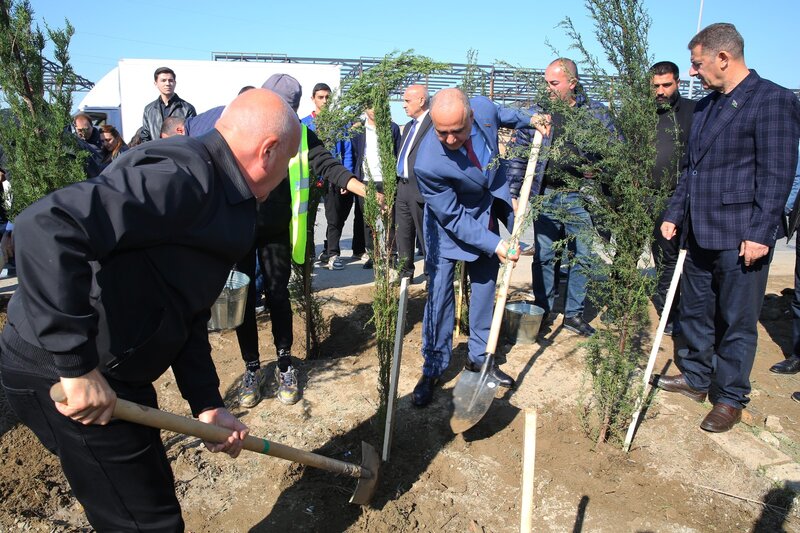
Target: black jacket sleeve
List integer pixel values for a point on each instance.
(324, 164)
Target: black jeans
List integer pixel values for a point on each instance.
(337, 209)
(118, 472)
(408, 217)
(367, 231)
(665, 254)
(275, 257)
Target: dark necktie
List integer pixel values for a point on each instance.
(401, 161)
(473, 158)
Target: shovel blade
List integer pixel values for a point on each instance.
(472, 397)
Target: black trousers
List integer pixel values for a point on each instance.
(337, 209)
(795, 305)
(665, 253)
(720, 307)
(368, 230)
(408, 219)
(275, 257)
(118, 472)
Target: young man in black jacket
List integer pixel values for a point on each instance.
(168, 104)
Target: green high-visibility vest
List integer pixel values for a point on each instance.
(298, 183)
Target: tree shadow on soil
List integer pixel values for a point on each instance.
(317, 501)
(777, 507)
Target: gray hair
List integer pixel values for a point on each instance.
(719, 37)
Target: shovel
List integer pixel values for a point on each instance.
(474, 392)
(366, 472)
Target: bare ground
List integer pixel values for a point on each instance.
(672, 480)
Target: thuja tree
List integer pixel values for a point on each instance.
(372, 89)
(380, 219)
(41, 153)
(622, 201)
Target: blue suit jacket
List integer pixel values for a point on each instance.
(459, 197)
(740, 171)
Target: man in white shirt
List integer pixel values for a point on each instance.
(409, 202)
(367, 165)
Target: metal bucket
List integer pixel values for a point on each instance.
(228, 311)
(521, 322)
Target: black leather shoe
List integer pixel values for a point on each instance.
(796, 396)
(578, 325)
(678, 384)
(423, 392)
(503, 379)
(368, 264)
(791, 365)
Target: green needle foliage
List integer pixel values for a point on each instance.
(624, 206)
(372, 89)
(42, 154)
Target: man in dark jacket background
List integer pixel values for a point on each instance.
(168, 104)
(674, 124)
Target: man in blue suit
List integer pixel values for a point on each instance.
(464, 197)
(742, 155)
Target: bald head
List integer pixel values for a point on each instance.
(562, 77)
(416, 100)
(263, 133)
(451, 115)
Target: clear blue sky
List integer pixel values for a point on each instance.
(510, 31)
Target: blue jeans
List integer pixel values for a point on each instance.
(578, 225)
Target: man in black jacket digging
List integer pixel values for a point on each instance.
(116, 278)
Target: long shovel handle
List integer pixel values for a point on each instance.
(519, 220)
(155, 418)
(651, 362)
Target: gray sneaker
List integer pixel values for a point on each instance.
(251, 387)
(288, 392)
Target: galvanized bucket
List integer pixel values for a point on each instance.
(521, 322)
(228, 311)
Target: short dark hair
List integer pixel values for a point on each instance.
(171, 124)
(245, 89)
(163, 70)
(320, 87)
(718, 37)
(84, 116)
(665, 67)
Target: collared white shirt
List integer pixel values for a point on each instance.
(410, 141)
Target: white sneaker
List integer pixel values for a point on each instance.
(334, 263)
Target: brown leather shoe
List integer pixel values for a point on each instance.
(678, 384)
(721, 418)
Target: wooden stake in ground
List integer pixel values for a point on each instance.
(528, 461)
(673, 287)
(460, 296)
(395, 375)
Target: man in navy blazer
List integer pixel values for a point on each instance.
(465, 196)
(742, 155)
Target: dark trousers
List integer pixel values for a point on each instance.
(367, 231)
(119, 472)
(337, 209)
(796, 300)
(275, 259)
(439, 315)
(408, 217)
(665, 254)
(720, 305)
